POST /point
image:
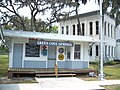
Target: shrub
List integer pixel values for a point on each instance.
(111, 63)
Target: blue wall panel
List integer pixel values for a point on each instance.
(61, 64)
(68, 64)
(17, 55)
(50, 63)
(79, 64)
(34, 64)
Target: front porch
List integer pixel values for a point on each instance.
(45, 72)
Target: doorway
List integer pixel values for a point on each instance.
(51, 56)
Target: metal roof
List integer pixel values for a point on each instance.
(48, 36)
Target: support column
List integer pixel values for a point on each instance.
(72, 53)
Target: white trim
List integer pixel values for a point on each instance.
(31, 58)
(81, 53)
(23, 55)
(11, 55)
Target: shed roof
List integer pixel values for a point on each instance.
(47, 36)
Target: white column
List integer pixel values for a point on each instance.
(94, 28)
(81, 53)
(72, 53)
(76, 29)
(65, 30)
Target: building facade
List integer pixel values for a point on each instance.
(89, 24)
(42, 50)
(118, 42)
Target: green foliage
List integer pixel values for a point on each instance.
(94, 62)
(111, 63)
(54, 29)
(115, 9)
(3, 65)
(3, 50)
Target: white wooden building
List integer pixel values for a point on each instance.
(42, 50)
(90, 27)
(118, 42)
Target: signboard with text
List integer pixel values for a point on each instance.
(53, 43)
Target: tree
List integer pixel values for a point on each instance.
(10, 11)
(54, 29)
(115, 9)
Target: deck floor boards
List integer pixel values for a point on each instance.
(44, 71)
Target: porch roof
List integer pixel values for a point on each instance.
(47, 36)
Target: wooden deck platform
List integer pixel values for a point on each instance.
(38, 72)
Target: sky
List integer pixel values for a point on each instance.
(90, 6)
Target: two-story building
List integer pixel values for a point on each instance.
(89, 24)
(69, 49)
(118, 42)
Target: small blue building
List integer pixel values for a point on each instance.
(42, 50)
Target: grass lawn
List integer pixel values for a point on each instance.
(3, 73)
(3, 65)
(112, 87)
(111, 72)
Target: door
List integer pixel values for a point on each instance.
(51, 56)
(17, 55)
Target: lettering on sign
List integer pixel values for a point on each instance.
(52, 43)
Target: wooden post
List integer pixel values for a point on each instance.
(56, 70)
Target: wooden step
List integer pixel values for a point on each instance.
(45, 75)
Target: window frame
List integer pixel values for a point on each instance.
(97, 50)
(97, 27)
(73, 29)
(32, 45)
(105, 28)
(76, 51)
(62, 30)
(90, 52)
(83, 28)
(67, 30)
(91, 28)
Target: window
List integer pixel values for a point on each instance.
(77, 52)
(109, 51)
(105, 28)
(97, 27)
(90, 53)
(78, 29)
(73, 29)
(111, 31)
(91, 28)
(62, 30)
(106, 50)
(68, 52)
(32, 50)
(67, 30)
(83, 29)
(97, 50)
(108, 29)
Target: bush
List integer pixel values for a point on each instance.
(111, 63)
(94, 62)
